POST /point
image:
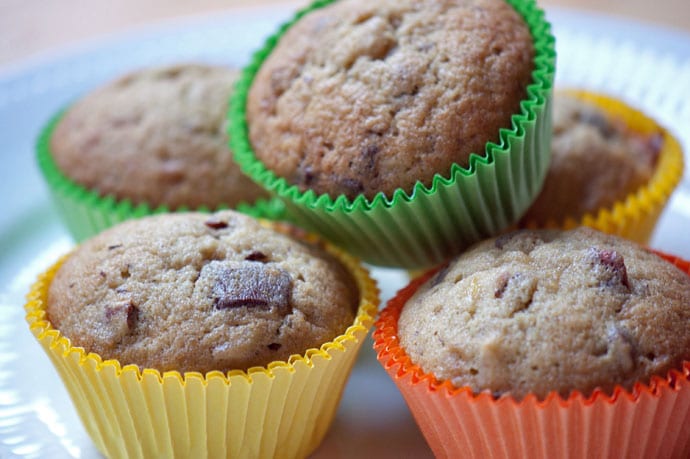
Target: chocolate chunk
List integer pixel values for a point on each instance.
(613, 264)
(256, 255)
(254, 285)
(274, 346)
(125, 271)
(216, 224)
(309, 175)
(369, 156)
(125, 313)
(501, 285)
(132, 315)
(114, 246)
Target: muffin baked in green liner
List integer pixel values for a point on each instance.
(420, 227)
(86, 213)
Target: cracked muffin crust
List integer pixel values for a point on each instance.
(533, 312)
(155, 136)
(198, 292)
(362, 97)
(595, 161)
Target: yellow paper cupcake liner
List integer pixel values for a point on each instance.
(281, 410)
(635, 216)
(651, 420)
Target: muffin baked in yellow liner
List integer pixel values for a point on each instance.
(651, 420)
(635, 216)
(281, 410)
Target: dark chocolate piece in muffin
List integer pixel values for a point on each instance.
(362, 97)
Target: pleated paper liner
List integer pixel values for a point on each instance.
(635, 216)
(418, 228)
(86, 213)
(651, 420)
(282, 410)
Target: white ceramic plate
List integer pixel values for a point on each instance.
(649, 67)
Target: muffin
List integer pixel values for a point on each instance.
(367, 117)
(542, 311)
(612, 168)
(193, 292)
(364, 97)
(584, 331)
(214, 334)
(155, 137)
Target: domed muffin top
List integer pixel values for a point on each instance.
(541, 311)
(361, 97)
(199, 292)
(155, 136)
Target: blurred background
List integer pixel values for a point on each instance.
(28, 27)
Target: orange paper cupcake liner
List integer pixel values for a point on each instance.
(635, 216)
(651, 420)
(281, 410)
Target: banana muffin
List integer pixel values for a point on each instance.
(362, 97)
(595, 161)
(533, 312)
(199, 292)
(155, 136)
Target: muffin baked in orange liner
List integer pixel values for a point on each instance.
(635, 216)
(651, 420)
(281, 410)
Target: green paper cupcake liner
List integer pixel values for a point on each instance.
(428, 225)
(86, 213)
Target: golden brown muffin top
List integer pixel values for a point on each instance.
(198, 292)
(596, 161)
(541, 311)
(365, 96)
(156, 136)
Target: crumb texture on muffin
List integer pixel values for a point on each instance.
(195, 292)
(155, 136)
(542, 311)
(596, 161)
(360, 97)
